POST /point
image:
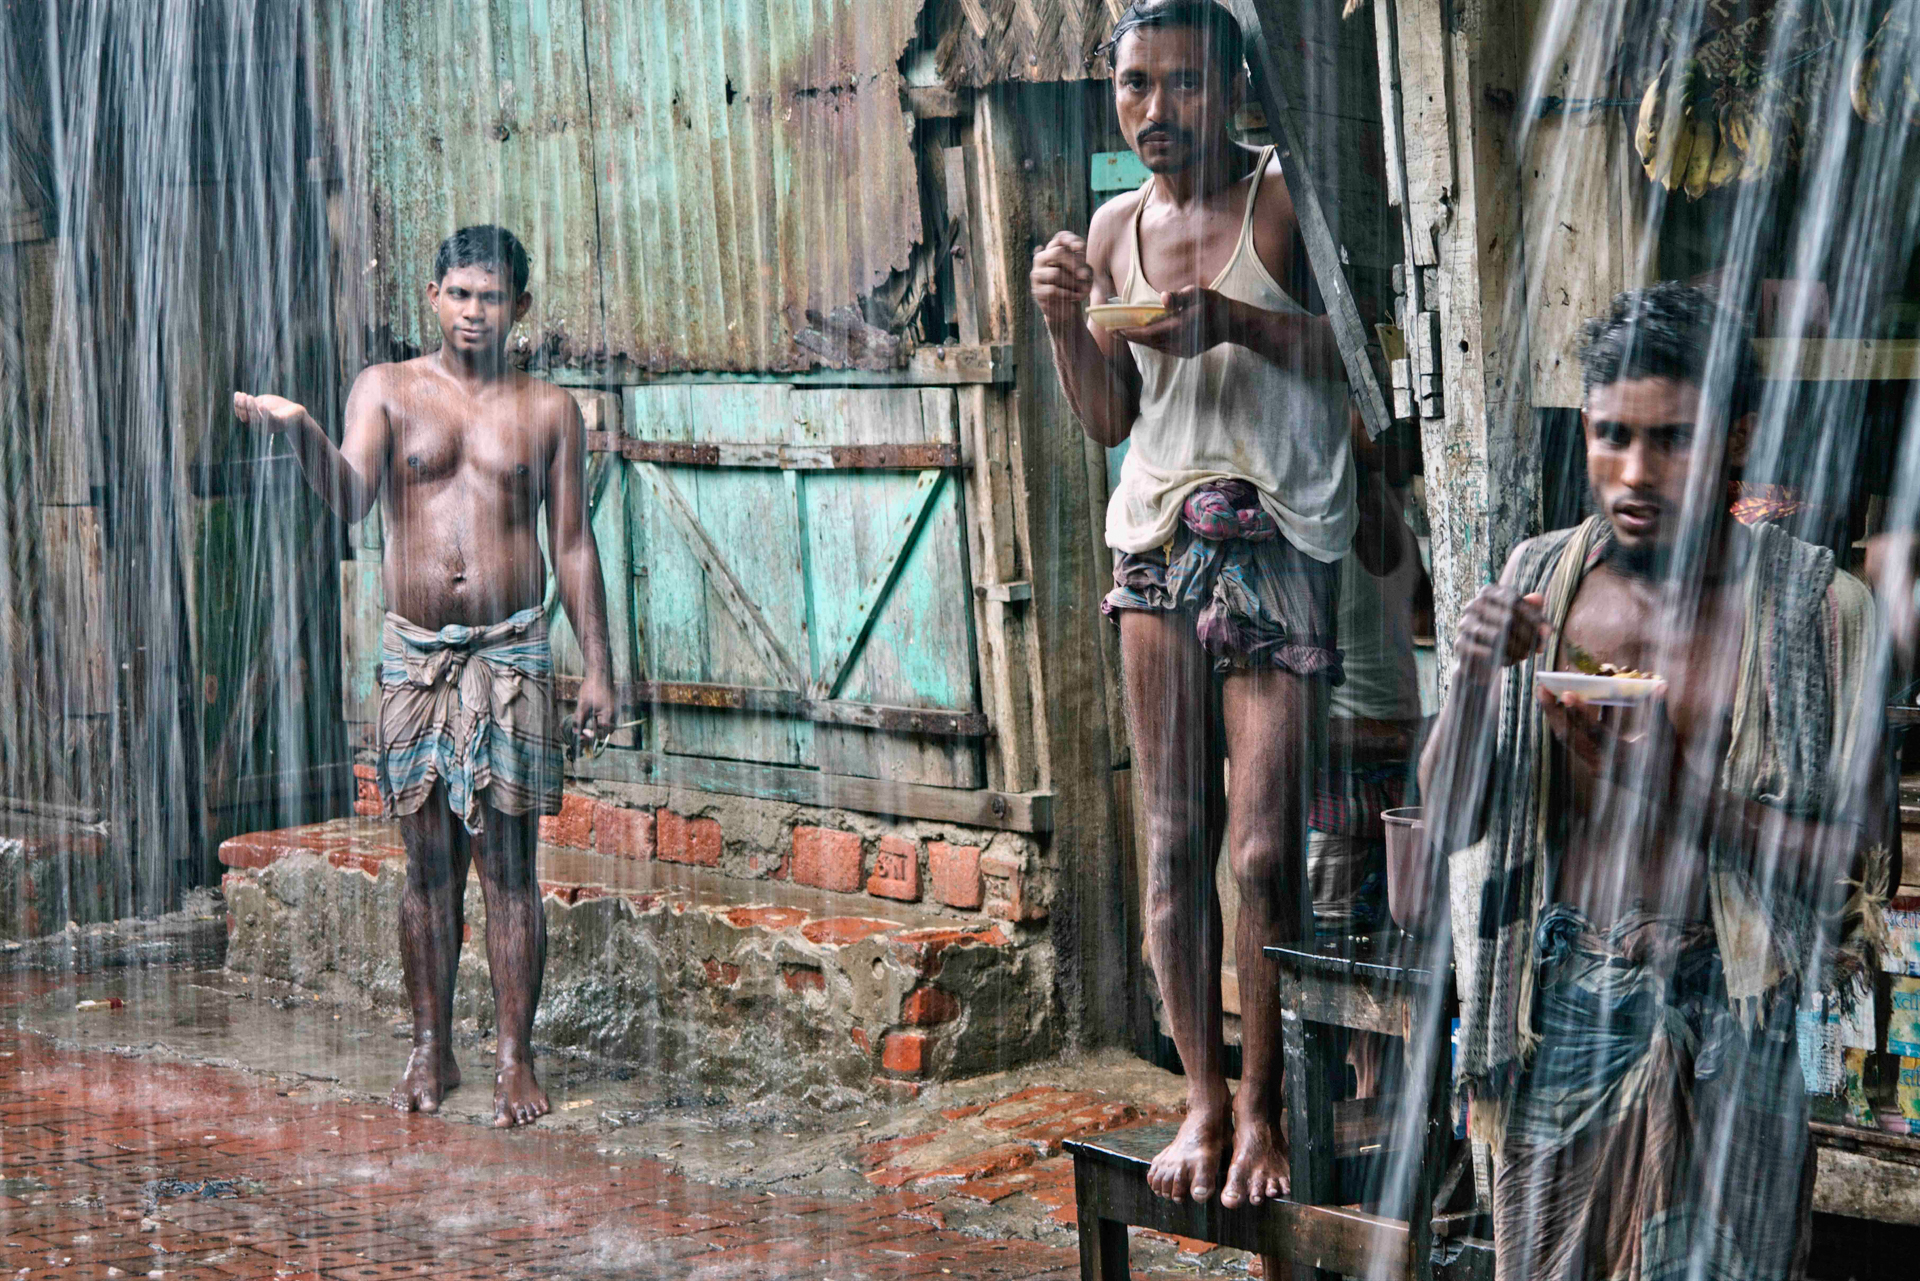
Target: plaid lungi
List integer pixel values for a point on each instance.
(471, 707)
(1651, 1138)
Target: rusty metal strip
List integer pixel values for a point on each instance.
(635, 696)
(771, 454)
(746, 614)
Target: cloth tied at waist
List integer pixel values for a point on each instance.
(1226, 509)
(473, 708)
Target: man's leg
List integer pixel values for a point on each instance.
(1271, 720)
(1169, 713)
(516, 958)
(432, 919)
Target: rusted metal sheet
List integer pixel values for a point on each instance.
(691, 180)
(635, 696)
(754, 165)
(983, 42)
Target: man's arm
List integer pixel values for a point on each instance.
(348, 476)
(1499, 628)
(1096, 368)
(576, 566)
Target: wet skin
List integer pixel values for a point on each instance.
(1643, 799)
(462, 452)
(1173, 101)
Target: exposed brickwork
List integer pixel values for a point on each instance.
(1008, 890)
(725, 973)
(838, 931)
(896, 869)
(904, 1053)
(678, 839)
(366, 792)
(618, 829)
(572, 826)
(928, 1006)
(803, 978)
(955, 873)
(827, 859)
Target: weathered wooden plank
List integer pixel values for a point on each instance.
(73, 588)
(971, 807)
(362, 613)
(1001, 633)
(1257, 19)
(637, 696)
(720, 575)
(774, 454)
(954, 192)
(845, 648)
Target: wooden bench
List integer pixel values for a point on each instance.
(1342, 1152)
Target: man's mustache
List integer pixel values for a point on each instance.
(1169, 132)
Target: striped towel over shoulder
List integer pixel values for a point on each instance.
(473, 708)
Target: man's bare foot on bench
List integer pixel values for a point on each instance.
(1258, 1172)
(1190, 1165)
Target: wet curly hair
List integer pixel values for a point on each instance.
(484, 245)
(1667, 331)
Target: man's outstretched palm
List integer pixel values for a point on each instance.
(273, 413)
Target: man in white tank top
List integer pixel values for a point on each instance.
(1234, 508)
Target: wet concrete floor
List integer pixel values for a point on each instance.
(214, 1127)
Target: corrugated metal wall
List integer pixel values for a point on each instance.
(690, 178)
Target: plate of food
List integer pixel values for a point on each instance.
(1125, 315)
(1624, 690)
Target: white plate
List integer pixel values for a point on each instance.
(1599, 691)
(1124, 315)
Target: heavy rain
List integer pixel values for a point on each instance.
(862, 639)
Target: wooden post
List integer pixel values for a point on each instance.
(1451, 81)
(1030, 180)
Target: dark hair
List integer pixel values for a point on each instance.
(1213, 21)
(484, 245)
(1667, 331)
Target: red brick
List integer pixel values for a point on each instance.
(366, 792)
(896, 870)
(904, 1053)
(955, 872)
(1003, 1159)
(881, 1151)
(252, 851)
(678, 839)
(922, 948)
(572, 826)
(838, 931)
(765, 917)
(803, 978)
(1009, 890)
(827, 859)
(860, 1038)
(725, 973)
(622, 831)
(927, 1006)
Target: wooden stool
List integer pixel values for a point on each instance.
(1341, 1151)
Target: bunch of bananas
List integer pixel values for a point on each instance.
(1887, 57)
(1688, 143)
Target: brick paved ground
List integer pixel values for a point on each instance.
(100, 1154)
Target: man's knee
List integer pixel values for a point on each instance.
(1267, 873)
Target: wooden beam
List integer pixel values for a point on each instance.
(637, 696)
(1007, 811)
(944, 366)
(773, 454)
(1261, 21)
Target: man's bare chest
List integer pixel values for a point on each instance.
(1693, 646)
(491, 446)
(1183, 249)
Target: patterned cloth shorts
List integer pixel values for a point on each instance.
(1258, 602)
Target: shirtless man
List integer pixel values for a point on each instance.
(1643, 905)
(1234, 508)
(462, 451)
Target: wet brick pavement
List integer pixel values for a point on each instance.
(105, 1161)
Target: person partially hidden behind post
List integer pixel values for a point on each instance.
(1234, 507)
(462, 451)
(1639, 889)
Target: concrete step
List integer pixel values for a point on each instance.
(733, 985)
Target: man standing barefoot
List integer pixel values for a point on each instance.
(462, 451)
(1234, 508)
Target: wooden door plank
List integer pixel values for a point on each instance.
(845, 648)
(679, 513)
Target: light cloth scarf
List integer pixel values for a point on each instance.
(1799, 724)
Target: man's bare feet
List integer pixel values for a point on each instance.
(1190, 1165)
(517, 1096)
(1258, 1171)
(430, 1075)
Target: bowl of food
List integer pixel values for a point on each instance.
(1601, 689)
(1125, 315)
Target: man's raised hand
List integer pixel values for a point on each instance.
(270, 413)
(1499, 628)
(1061, 280)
